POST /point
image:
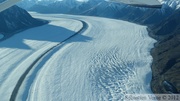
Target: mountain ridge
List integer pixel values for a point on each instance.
(16, 19)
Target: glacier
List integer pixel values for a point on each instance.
(20, 51)
(102, 63)
(78, 58)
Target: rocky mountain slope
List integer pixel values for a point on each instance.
(16, 19)
(166, 55)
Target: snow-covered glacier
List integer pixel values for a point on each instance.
(20, 51)
(106, 60)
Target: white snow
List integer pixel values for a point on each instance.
(175, 4)
(109, 59)
(7, 3)
(19, 51)
(1, 36)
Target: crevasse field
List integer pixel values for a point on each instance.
(76, 58)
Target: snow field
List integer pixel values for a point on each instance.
(110, 59)
(19, 51)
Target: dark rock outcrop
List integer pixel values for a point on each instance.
(166, 55)
(16, 19)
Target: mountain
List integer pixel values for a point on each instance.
(16, 19)
(175, 4)
(140, 15)
(32, 4)
(166, 55)
(56, 7)
(26, 4)
(102, 8)
(65, 7)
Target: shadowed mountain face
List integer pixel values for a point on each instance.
(16, 19)
(166, 55)
(167, 26)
